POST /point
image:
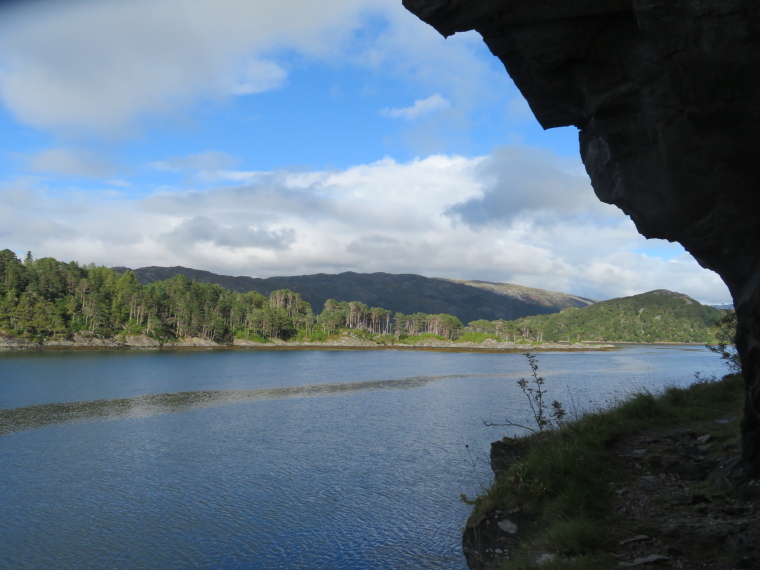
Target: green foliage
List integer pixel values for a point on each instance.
(476, 337)
(413, 339)
(575, 536)
(657, 316)
(725, 336)
(499, 329)
(251, 337)
(43, 298)
(546, 416)
(313, 336)
(563, 478)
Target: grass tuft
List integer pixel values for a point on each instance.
(574, 537)
(563, 480)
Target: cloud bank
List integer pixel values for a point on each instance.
(517, 215)
(103, 67)
(84, 64)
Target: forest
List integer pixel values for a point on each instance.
(656, 316)
(45, 299)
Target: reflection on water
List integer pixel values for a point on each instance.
(31, 417)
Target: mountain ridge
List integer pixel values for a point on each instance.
(404, 293)
(530, 294)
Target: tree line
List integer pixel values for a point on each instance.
(43, 299)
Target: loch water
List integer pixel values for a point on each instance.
(344, 459)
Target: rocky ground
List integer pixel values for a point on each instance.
(676, 505)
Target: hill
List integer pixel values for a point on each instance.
(552, 299)
(656, 316)
(405, 293)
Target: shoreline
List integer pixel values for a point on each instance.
(347, 342)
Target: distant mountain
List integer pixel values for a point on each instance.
(656, 316)
(551, 299)
(469, 301)
(724, 307)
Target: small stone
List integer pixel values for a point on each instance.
(508, 526)
(545, 559)
(651, 559)
(639, 452)
(704, 438)
(636, 538)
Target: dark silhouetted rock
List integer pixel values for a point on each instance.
(666, 95)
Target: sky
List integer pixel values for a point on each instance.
(292, 137)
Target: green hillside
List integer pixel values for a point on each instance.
(657, 316)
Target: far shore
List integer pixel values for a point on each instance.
(346, 342)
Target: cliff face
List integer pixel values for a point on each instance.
(666, 97)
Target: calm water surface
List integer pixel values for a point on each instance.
(270, 459)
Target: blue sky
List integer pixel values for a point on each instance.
(293, 137)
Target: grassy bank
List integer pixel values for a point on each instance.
(562, 489)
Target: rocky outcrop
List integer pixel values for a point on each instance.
(666, 97)
(8, 342)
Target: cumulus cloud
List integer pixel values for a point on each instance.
(421, 107)
(202, 229)
(103, 67)
(257, 76)
(517, 181)
(437, 216)
(87, 64)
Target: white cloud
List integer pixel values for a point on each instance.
(204, 230)
(257, 76)
(385, 216)
(99, 66)
(421, 107)
(518, 181)
(72, 162)
(103, 67)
